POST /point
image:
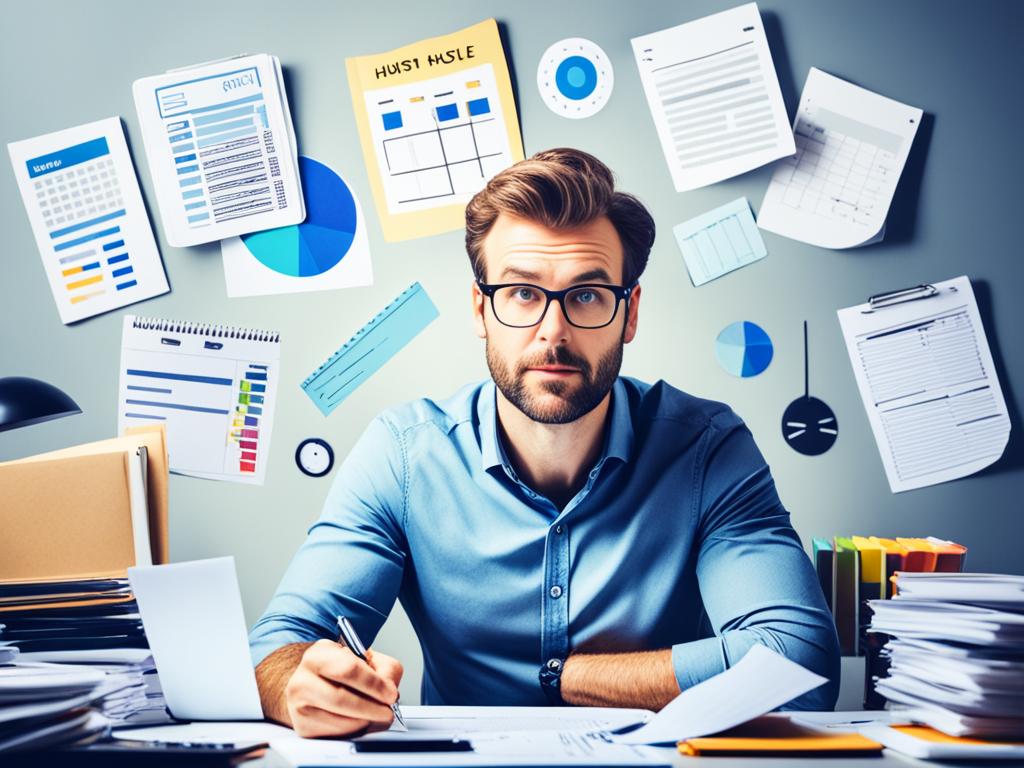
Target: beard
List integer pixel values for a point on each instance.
(571, 400)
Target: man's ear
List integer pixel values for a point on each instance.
(632, 317)
(479, 307)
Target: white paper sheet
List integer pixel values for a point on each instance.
(719, 241)
(548, 748)
(83, 201)
(208, 733)
(714, 96)
(852, 145)
(928, 383)
(221, 149)
(760, 682)
(192, 613)
(460, 721)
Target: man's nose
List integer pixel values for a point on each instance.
(554, 328)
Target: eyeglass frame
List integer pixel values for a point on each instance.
(621, 292)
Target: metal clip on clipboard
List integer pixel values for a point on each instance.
(902, 296)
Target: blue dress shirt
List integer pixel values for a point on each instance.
(677, 539)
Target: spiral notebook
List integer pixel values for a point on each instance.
(212, 386)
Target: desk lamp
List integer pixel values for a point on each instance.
(25, 401)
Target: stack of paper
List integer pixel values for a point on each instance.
(221, 149)
(957, 651)
(48, 705)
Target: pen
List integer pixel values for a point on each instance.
(350, 638)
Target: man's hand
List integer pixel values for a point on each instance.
(323, 689)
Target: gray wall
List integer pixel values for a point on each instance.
(956, 210)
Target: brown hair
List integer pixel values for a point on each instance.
(561, 188)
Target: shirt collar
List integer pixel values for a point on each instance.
(618, 442)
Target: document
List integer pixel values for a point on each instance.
(213, 387)
(221, 149)
(193, 617)
(714, 96)
(437, 119)
(719, 241)
(760, 682)
(369, 348)
(852, 145)
(82, 198)
(929, 386)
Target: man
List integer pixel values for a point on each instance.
(556, 535)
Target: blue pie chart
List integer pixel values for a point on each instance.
(576, 77)
(744, 349)
(320, 242)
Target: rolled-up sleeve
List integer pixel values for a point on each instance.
(353, 557)
(756, 582)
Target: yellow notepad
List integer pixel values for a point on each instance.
(777, 736)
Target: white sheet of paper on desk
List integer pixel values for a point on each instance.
(221, 149)
(90, 224)
(720, 241)
(714, 96)
(460, 721)
(852, 145)
(760, 682)
(928, 383)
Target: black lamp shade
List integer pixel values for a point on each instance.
(25, 401)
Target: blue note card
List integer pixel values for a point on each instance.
(371, 346)
(720, 241)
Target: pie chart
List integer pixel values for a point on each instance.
(744, 349)
(316, 245)
(575, 78)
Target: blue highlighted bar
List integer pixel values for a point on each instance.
(254, 410)
(67, 157)
(232, 125)
(227, 114)
(183, 148)
(252, 421)
(87, 238)
(122, 271)
(262, 112)
(193, 206)
(447, 112)
(185, 158)
(258, 399)
(188, 169)
(392, 120)
(258, 388)
(177, 406)
(159, 390)
(85, 224)
(129, 284)
(478, 107)
(94, 265)
(189, 181)
(198, 217)
(144, 416)
(117, 259)
(191, 193)
(235, 103)
(251, 376)
(113, 245)
(222, 137)
(181, 377)
(181, 137)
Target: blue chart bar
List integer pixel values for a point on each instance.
(94, 265)
(178, 406)
(251, 421)
(259, 388)
(85, 224)
(181, 377)
(181, 137)
(113, 245)
(392, 120)
(145, 416)
(193, 206)
(188, 169)
(122, 272)
(159, 390)
(252, 376)
(227, 114)
(230, 125)
(198, 217)
(86, 238)
(183, 148)
(258, 399)
(255, 410)
(190, 181)
(191, 193)
(119, 258)
(479, 107)
(185, 158)
(447, 112)
(129, 284)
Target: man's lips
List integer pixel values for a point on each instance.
(559, 369)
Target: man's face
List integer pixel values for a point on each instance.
(553, 372)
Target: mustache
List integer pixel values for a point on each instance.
(556, 356)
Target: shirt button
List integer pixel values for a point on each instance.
(554, 664)
(555, 591)
(558, 529)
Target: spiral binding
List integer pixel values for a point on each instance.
(204, 329)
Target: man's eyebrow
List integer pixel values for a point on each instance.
(593, 274)
(517, 272)
(597, 273)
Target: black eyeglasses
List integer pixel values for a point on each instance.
(523, 305)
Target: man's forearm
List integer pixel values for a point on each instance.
(643, 679)
(272, 675)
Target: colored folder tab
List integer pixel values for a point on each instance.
(895, 555)
(776, 736)
(950, 555)
(872, 567)
(846, 581)
(921, 556)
